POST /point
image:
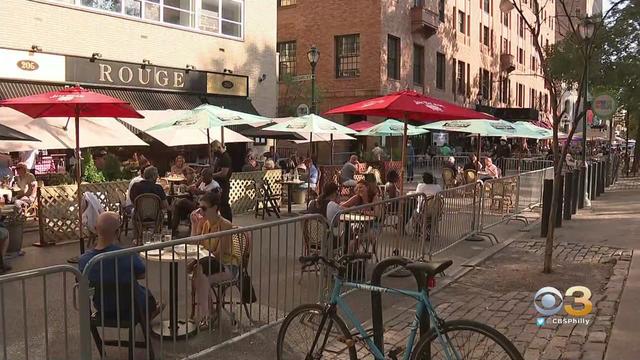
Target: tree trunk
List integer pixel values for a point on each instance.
(548, 246)
(636, 153)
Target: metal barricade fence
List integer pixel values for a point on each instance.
(391, 227)
(512, 166)
(455, 216)
(37, 319)
(507, 198)
(253, 282)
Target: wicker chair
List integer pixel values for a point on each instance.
(448, 178)
(502, 194)
(470, 176)
(147, 214)
(313, 235)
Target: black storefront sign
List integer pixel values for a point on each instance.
(132, 75)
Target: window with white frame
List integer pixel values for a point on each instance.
(224, 17)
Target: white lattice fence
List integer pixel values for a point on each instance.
(57, 207)
(242, 195)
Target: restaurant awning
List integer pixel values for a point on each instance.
(140, 99)
(58, 133)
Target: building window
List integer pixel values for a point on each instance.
(287, 59)
(486, 35)
(286, 2)
(505, 90)
(259, 141)
(485, 84)
(487, 6)
(520, 94)
(532, 98)
(441, 10)
(505, 19)
(393, 57)
(534, 65)
(441, 65)
(461, 78)
(462, 22)
(505, 46)
(520, 56)
(348, 56)
(418, 64)
(224, 17)
(520, 26)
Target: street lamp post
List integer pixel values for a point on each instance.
(313, 55)
(586, 29)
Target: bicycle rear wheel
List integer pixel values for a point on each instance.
(468, 340)
(299, 329)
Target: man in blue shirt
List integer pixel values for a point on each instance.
(116, 271)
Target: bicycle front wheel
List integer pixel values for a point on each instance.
(301, 328)
(465, 340)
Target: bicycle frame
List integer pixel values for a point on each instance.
(423, 305)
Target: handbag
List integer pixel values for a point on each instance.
(247, 291)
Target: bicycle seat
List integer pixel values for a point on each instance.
(431, 268)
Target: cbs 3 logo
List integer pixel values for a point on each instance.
(549, 300)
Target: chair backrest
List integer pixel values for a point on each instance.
(313, 233)
(148, 207)
(448, 177)
(470, 176)
(434, 206)
(241, 247)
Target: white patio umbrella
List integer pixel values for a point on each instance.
(182, 136)
(311, 126)
(59, 133)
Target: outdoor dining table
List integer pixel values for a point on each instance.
(290, 184)
(174, 327)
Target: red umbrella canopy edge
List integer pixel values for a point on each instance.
(410, 105)
(361, 125)
(71, 101)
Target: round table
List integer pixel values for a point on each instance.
(290, 185)
(174, 327)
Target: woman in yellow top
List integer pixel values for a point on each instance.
(206, 219)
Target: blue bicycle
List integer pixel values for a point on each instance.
(315, 331)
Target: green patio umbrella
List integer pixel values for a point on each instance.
(531, 131)
(210, 117)
(392, 127)
(480, 127)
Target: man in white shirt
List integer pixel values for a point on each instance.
(183, 207)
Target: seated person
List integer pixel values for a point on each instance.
(180, 167)
(149, 185)
(327, 204)
(27, 184)
(348, 172)
(116, 271)
(313, 174)
(183, 207)
(251, 164)
(428, 185)
(451, 164)
(391, 187)
(269, 165)
(135, 180)
(473, 163)
(302, 165)
(6, 174)
(365, 193)
(221, 262)
(492, 171)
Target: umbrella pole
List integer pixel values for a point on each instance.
(222, 135)
(309, 169)
(331, 149)
(209, 148)
(78, 178)
(479, 147)
(404, 156)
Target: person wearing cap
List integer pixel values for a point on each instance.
(27, 184)
(100, 159)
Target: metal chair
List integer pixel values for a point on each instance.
(147, 214)
(265, 200)
(222, 282)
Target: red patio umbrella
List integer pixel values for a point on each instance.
(409, 105)
(73, 102)
(361, 125)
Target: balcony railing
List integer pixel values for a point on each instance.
(507, 62)
(424, 20)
